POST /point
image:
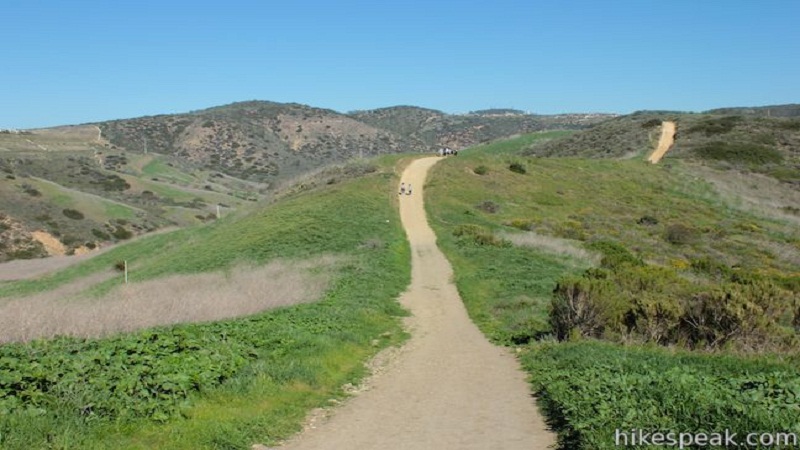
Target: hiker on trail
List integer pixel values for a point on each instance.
(408, 191)
(402, 188)
(441, 152)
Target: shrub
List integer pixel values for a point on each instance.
(713, 126)
(488, 206)
(570, 229)
(739, 152)
(121, 233)
(521, 224)
(680, 234)
(30, 190)
(73, 214)
(478, 235)
(746, 314)
(114, 183)
(615, 255)
(647, 220)
(652, 123)
(100, 234)
(582, 306)
(481, 170)
(655, 304)
(517, 167)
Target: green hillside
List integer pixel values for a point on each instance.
(636, 295)
(640, 256)
(224, 384)
(91, 199)
(175, 169)
(730, 139)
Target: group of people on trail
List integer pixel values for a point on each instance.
(447, 151)
(405, 189)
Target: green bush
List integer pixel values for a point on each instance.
(647, 220)
(652, 123)
(583, 305)
(73, 214)
(714, 126)
(655, 304)
(121, 233)
(517, 167)
(488, 206)
(481, 170)
(30, 190)
(739, 152)
(521, 224)
(680, 234)
(615, 255)
(478, 235)
(101, 234)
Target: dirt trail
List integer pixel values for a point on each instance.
(665, 142)
(448, 387)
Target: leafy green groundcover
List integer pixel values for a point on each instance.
(590, 389)
(156, 373)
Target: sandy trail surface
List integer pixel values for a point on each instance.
(665, 142)
(447, 387)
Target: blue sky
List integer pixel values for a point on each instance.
(69, 62)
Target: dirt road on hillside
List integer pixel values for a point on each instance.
(448, 388)
(665, 142)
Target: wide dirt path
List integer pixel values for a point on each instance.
(448, 388)
(665, 142)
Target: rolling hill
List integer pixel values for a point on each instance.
(91, 184)
(740, 139)
(690, 294)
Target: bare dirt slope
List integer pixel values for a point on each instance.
(665, 142)
(448, 387)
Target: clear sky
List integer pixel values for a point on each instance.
(69, 62)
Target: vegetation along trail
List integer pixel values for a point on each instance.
(665, 142)
(448, 387)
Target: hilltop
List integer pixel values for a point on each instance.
(263, 141)
(765, 140)
(86, 185)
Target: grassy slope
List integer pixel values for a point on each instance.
(283, 362)
(36, 187)
(507, 289)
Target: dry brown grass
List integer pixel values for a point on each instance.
(551, 244)
(752, 192)
(21, 269)
(170, 300)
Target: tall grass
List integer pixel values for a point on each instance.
(164, 301)
(551, 244)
